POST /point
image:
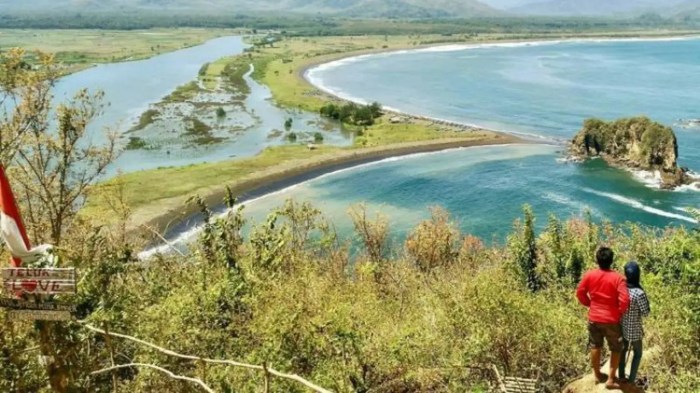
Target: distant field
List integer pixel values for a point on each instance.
(80, 48)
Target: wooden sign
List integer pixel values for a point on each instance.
(21, 304)
(39, 281)
(40, 315)
(17, 273)
(40, 287)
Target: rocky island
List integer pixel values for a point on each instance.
(633, 143)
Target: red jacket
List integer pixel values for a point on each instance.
(605, 293)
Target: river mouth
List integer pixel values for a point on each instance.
(189, 131)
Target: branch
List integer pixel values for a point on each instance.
(168, 372)
(272, 371)
(162, 238)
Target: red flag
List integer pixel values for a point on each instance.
(13, 232)
(12, 228)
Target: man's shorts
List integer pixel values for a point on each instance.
(612, 332)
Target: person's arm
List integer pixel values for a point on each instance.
(623, 296)
(582, 292)
(644, 307)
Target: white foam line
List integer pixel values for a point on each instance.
(190, 234)
(311, 75)
(638, 205)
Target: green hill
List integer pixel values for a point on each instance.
(352, 8)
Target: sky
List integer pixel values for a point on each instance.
(503, 4)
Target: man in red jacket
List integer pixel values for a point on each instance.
(604, 292)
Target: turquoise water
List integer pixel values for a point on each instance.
(545, 90)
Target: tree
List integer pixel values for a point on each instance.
(54, 170)
(523, 246)
(51, 163)
(288, 124)
(220, 112)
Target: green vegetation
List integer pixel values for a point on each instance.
(229, 70)
(427, 315)
(292, 137)
(351, 113)
(136, 143)
(633, 142)
(318, 137)
(288, 123)
(200, 132)
(220, 112)
(182, 93)
(76, 49)
(147, 118)
(320, 25)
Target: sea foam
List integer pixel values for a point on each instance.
(639, 205)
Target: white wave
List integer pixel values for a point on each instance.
(695, 186)
(192, 233)
(639, 205)
(566, 201)
(651, 179)
(312, 75)
(318, 83)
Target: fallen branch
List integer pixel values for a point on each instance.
(152, 366)
(269, 370)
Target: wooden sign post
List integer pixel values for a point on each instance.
(37, 281)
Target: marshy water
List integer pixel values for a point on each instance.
(131, 88)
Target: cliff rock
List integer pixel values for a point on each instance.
(633, 143)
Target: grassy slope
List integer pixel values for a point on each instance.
(80, 48)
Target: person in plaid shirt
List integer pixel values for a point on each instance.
(632, 329)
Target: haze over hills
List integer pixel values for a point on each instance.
(595, 7)
(358, 8)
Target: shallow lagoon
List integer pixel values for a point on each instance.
(132, 87)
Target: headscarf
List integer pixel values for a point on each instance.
(633, 274)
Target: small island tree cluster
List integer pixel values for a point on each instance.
(351, 113)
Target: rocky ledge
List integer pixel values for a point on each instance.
(635, 143)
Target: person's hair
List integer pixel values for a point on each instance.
(604, 257)
(633, 274)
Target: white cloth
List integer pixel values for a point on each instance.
(15, 244)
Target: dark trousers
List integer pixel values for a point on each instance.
(636, 358)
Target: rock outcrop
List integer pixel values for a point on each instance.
(634, 143)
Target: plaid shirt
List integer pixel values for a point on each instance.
(632, 319)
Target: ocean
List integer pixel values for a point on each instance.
(544, 90)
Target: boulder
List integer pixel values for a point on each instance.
(633, 143)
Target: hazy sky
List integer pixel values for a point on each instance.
(508, 3)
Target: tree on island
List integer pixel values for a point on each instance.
(288, 123)
(220, 112)
(637, 143)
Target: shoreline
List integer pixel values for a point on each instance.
(319, 88)
(178, 220)
(281, 176)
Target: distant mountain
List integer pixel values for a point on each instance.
(594, 7)
(508, 4)
(689, 8)
(350, 8)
